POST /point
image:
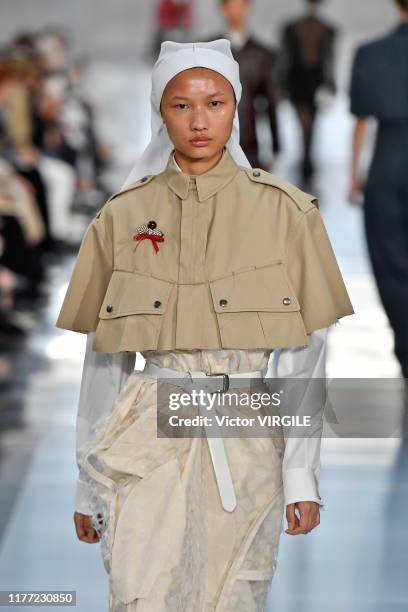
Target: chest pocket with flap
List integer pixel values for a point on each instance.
(258, 308)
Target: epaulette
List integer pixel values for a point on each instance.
(304, 201)
(143, 181)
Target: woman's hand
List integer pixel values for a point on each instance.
(84, 528)
(309, 517)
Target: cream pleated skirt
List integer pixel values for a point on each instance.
(167, 543)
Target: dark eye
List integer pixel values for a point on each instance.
(215, 102)
(181, 104)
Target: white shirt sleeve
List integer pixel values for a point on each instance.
(301, 460)
(103, 377)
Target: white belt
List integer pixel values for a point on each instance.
(215, 445)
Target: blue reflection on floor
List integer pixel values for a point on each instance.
(357, 559)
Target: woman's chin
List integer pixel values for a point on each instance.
(203, 151)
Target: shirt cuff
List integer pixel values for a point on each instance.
(82, 496)
(300, 484)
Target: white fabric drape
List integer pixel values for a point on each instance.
(105, 374)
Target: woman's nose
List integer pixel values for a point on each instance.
(199, 120)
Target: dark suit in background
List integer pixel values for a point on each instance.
(379, 88)
(306, 63)
(257, 66)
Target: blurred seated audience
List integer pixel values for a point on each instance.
(52, 166)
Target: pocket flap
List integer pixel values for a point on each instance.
(132, 293)
(262, 288)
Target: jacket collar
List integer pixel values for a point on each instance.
(208, 183)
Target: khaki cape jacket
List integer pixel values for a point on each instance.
(244, 262)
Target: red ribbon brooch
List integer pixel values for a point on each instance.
(149, 231)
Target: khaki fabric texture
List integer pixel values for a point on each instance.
(246, 263)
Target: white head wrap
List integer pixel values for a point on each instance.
(174, 58)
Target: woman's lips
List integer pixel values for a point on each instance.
(200, 143)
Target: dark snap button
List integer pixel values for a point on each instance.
(152, 224)
(286, 301)
(109, 308)
(256, 173)
(223, 302)
(157, 304)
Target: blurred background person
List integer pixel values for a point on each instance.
(65, 118)
(257, 68)
(15, 112)
(20, 124)
(22, 270)
(379, 89)
(306, 66)
(174, 21)
(23, 205)
(51, 168)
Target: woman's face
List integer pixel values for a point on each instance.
(198, 107)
